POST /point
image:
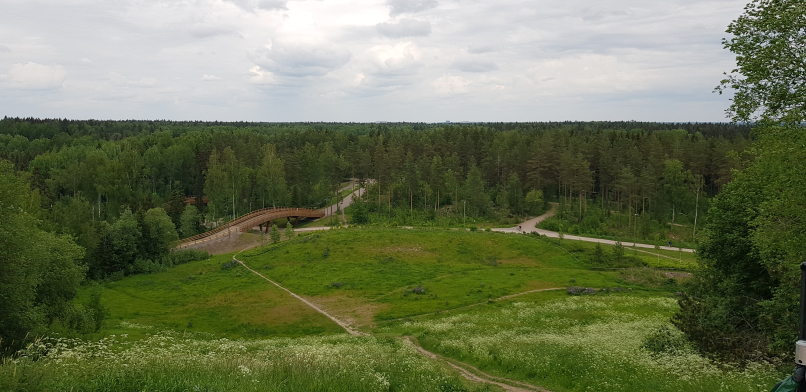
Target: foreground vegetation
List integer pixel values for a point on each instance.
(207, 324)
(602, 342)
(171, 361)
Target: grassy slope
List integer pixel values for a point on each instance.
(456, 268)
(375, 268)
(231, 302)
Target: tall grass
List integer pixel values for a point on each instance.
(601, 343)
(167, 361)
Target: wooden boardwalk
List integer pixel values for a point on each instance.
(246, 222)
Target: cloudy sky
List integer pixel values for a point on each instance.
(365, 60)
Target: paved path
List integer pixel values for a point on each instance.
(529, 227)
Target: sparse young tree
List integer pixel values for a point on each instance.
(289, 230)
(275, 234)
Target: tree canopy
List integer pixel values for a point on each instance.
(769, 41)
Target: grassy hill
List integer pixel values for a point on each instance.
(364, 275)
(174, 330)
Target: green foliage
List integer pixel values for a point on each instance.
(271, 178)
(665, 340)
(190, 221)
(158, 233)
(769, 81)
(535, 204)
(96, 308)
(741, 304)
(473, 192)
(289, 230)
(598, 254)
(358, 211)
(39, 271)
(515, 194)
(274, 234)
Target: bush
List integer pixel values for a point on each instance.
(666, 340)
(229, 265)
(551, 224)
(185, 256)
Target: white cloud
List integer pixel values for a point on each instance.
(33, 76)
(209, 78)
(261, 77)
(300, 59)
(500, 60)
(450, 85)
(405, 28)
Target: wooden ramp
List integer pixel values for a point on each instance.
(246, 222)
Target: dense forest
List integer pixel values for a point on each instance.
(87, 171)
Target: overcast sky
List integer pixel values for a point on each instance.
(364, 60)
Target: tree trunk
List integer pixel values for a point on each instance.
(671, 227)
(696, 211)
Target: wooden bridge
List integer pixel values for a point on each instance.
(248, 221)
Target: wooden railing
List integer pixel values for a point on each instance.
(244, 222)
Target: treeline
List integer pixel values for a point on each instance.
(99, 180)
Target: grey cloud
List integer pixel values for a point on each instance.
(253, 5)
(482, 48)
(665, 50)
(207, 31)
(405, 28)
(272, 4)
(300, 60)
(475, 65)
(397, 7)
(591, 15)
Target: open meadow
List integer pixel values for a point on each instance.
(497, 302)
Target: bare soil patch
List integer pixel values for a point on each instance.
(359, 313)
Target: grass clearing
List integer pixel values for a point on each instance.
(403, 273)
(581, 343)
(204, 297)
(435, 284)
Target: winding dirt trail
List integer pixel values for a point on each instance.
(474, 374)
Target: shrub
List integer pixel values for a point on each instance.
(229, 265)
(185, 256)
(665, 340)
